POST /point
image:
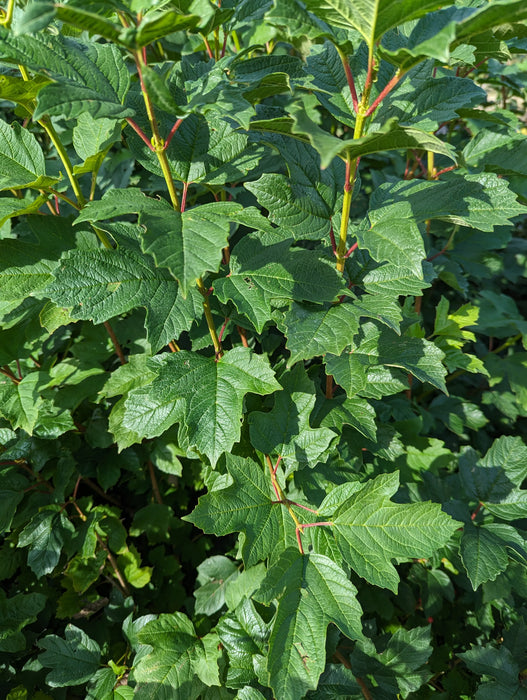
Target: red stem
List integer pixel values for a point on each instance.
(207, 46)
(446, 170)
(270, 465)
(277, 463)
(311, 510)
(243, 336)
(369, 75)
(388, 88)
(172, 132)
(224, 47)
(140, 132)
(297, 533)
(317, 524)
(184, 197)
(479, 506)
(330, 387)
(116, 345)
(5, 370)
(350, 251)
(333, 241)
(351, 83)
(220, 336)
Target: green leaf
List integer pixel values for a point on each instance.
(400, 668)
(372, 18)
(497, 152)
(12, 206)
(285, 430)
(295, 22)
(73, 660)
(425, 102)
(490, 17)
(431, 37)
(510, 454)
(483, 553)
(20, 403)
(313, 331)
(45, 535)
(211, 417)
(16, 613)
(156, 88)
(101, 284)
(267, 269)
(498, 663)
(27, 264)
(244, 506)
(12, 487)
(243, 634)
(188, 244)
(156, 25)
(90, 21)
(21, 159)
(214, 575)
(88, 77)
(371, 530)
(391, 137)
(381, 346)
(326, 74)
(481, 201)
(354, 411)
(93, 136)
(20, 91)
(203, 149)
(488, 482)
(312, 591)
(305, 202)
(170, 668)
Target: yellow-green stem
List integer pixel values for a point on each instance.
(236, 41)
(157, 141)
(210, 321)
(66, 162)
(8, 17)
(351, 177)
(167, 173)
(430, 167)
(281, 494)
(103, 237)
(53, 136)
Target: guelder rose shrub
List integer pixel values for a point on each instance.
(263, 390)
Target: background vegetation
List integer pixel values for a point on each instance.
(262, 349)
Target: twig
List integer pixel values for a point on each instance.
(155, 487)
(140, 133)
(388, 88)
(243, 337)
(95, 487)
(222, 330)
(172, 132)
(7, 372)
(351, 249)
(115, 342)
(207, 45)
(349, 78)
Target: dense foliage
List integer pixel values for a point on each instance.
(263, 372)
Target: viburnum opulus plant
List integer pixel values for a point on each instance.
(262, 326)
